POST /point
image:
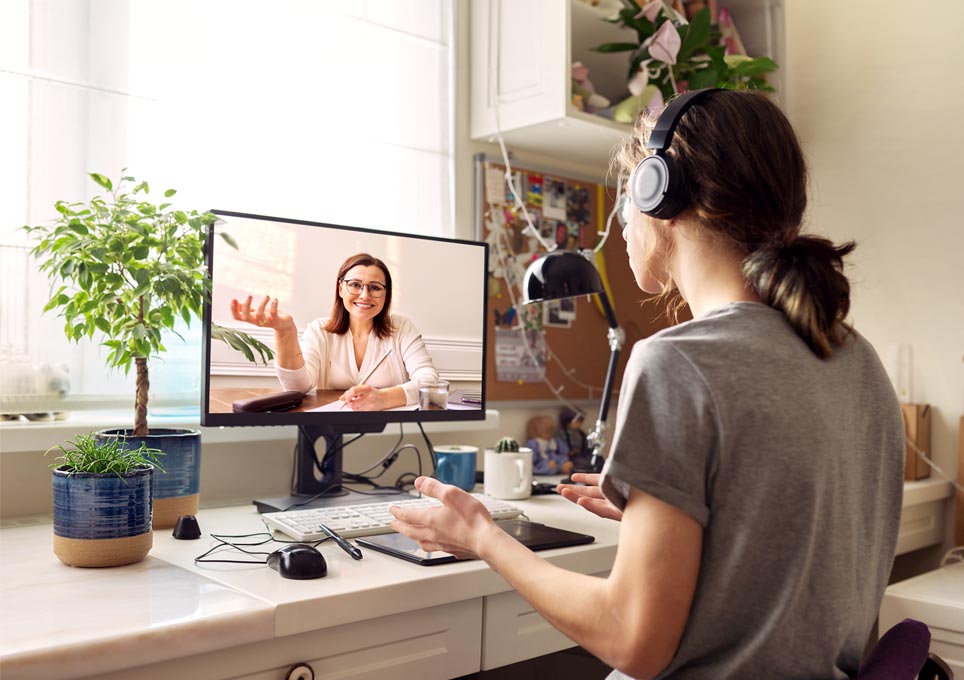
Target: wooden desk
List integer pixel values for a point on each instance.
(167, 617)
(223, 398)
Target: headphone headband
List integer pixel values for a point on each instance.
(662, 135)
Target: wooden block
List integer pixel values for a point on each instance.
(917, 428)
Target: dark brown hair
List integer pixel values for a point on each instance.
(747, 184)
(339, 317)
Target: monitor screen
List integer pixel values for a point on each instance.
(335, 307)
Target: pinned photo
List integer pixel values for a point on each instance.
(554, 200)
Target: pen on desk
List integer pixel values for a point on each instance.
(371, 371)
(355, 553)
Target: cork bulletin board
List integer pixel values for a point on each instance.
(567, 340)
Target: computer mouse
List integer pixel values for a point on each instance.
(298, 561)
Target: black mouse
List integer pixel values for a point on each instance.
(298, 561)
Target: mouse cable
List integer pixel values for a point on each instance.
(222, 543)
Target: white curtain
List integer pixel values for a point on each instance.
(312, 109)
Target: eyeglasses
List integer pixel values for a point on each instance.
(355, 287)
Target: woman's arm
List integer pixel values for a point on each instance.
(633, 619)
(267, 315)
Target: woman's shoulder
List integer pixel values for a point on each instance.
(402, 325)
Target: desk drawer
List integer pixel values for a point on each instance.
(513, 631)
(435, 642)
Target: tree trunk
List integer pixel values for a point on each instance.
(140, 402)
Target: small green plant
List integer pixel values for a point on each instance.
(507, 445)
(87, 453)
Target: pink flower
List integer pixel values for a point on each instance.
(650, 10)
(665, 43)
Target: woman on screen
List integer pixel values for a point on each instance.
(376, 357)
(757, 460)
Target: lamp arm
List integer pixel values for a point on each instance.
(596, 440)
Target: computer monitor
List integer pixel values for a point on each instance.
(435, 298)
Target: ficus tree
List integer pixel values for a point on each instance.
(129, 270)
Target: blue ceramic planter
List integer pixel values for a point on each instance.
(96, 506)
(176, 489)
(102, 520)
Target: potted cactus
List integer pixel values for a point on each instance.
(507, 444)
(129, 269)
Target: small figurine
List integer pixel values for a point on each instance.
(548, 456)
(573, 438)
(584, 94)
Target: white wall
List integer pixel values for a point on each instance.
(874, 93)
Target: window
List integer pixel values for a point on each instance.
(314, 109)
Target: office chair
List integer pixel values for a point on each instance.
(902, 653)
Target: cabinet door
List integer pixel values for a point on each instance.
(520, 61)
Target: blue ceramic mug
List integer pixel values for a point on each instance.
(456, 465)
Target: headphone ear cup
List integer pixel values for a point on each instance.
(657, 187)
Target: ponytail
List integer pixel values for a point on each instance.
(804, 279)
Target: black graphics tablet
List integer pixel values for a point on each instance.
(530, 534)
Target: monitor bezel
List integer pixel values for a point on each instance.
(353, 421)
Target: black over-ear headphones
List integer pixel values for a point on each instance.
(657, 185)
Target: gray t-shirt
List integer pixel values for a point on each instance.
(793, 465)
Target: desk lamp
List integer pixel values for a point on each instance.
(567, 274)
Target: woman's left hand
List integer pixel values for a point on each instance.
(459, 527)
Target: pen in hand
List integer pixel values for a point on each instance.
(371, 371)
(355, 553)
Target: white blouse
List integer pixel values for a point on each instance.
(330, 360)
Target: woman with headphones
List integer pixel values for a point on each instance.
(757, 459)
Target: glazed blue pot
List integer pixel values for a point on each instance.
(102, 520)
(177, 488)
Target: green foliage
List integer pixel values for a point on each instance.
(243, 342)
(701, 60)
(507, 444)
(86, 453)
(129, 268)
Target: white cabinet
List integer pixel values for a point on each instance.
(937, 599)
(522, 53)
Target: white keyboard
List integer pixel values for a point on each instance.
(366, 519)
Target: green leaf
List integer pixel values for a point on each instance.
(169, 193)
(101, 180)
(229, 240)
(697, 36)
(706, 77)
(616, 47)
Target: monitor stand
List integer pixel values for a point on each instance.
(308, 489)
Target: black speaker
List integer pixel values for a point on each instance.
(657, 186)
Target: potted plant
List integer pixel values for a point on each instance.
(102, 501)
(673, 53)
(129, 269)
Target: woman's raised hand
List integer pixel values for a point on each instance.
(589, 496)
(266, 314)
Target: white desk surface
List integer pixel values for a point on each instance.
(94, 621)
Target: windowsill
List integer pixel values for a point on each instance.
(39, 436)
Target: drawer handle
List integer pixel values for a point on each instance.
(300, 671)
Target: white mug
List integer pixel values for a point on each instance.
(508, 475)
